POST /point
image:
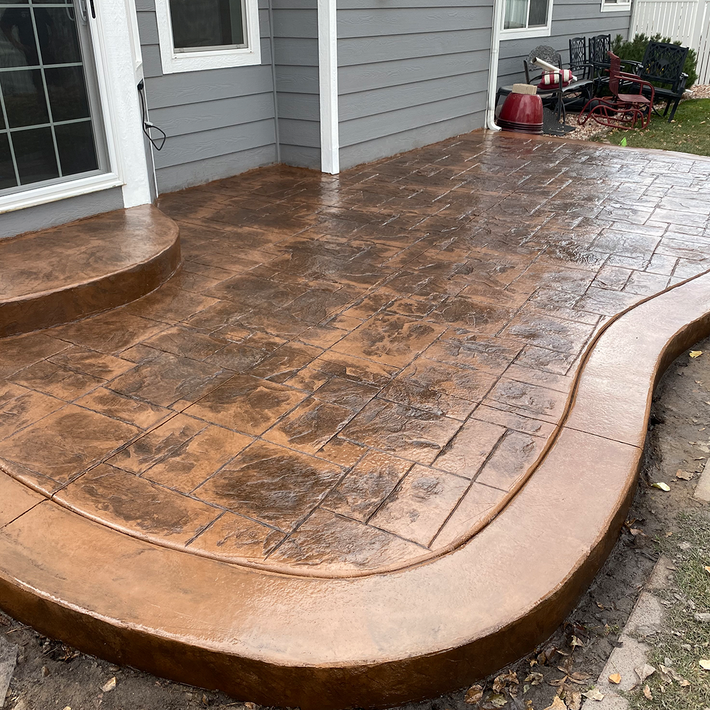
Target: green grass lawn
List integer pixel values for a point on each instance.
(680, 682)
(689, 132)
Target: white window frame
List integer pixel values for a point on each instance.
(525, 32)
(221, 58)
(616, 6)
(117, 58)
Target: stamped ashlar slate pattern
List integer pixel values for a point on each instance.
(351, 372)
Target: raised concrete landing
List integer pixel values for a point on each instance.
(375, 438)
(61, 274)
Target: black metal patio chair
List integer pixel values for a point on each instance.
(599, 48)
(663, 65)
(578, 54)
(559, 96)
(582, 68)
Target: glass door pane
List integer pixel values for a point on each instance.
(49, 123)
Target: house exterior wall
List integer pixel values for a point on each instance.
(32, 219)
(570, 18)
(409, 73)
(416, 71)
(296, 69)
(219, 122)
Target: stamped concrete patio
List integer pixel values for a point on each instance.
(350, 376)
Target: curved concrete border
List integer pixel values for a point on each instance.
(368, 641)
(129, 277)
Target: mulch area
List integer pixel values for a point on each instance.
(592, 131)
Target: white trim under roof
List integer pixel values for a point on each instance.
(328, 80)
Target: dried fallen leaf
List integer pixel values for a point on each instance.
(109, 685)
(684, 475)
(557, 704)
(647, 693)
(566, 665)
(645, 671)
(594, 694)
(250, 706)
(695, 353)
(579, 677)
(575, 642)
(661, 486)
(705, 663)
(682, 682)
(574, 700)
(534, 678)
(473, 694)
(498, 700)
(707, 569)
(615, 678)
(504, 680)
(548, 653)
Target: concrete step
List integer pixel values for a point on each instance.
(68, 272)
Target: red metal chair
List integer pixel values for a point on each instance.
(620, 110)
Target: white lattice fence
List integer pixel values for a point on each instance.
(687, 21)
(704, 47)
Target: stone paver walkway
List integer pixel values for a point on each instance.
(350, 373)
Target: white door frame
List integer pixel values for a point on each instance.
(117, 57)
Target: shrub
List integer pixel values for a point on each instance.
(635, 49)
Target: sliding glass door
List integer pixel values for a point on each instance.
(50, 123)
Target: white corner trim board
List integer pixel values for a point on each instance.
(118, 58)
(328, 81)
(174, 62)
(493, 65)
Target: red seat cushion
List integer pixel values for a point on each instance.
(550, 80)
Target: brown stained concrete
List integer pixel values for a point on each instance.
(444, 357)
(61, 274)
